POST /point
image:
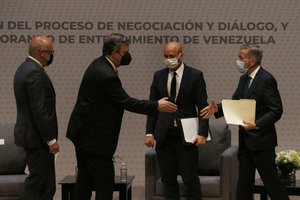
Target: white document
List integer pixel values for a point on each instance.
(190, 128)
(2, 142)
(237, 111)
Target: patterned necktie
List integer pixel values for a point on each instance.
(173, 88)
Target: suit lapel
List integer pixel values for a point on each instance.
(184, 81)
(111, 68)
(255, 82)
(164, 78)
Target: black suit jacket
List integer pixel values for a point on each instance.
(268, 110)
(192, 95)
(35, 98)
(96, 118)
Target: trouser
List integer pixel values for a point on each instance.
(94, 173)
(264, 162)
(40, 184)
(174, 158)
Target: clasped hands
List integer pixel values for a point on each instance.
(212, 108)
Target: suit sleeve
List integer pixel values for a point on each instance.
(273, 104)
(201, 102)
(115, 92)
(42, 119)
(151, 119)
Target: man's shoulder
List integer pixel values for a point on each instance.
(99, 61)
(188, 67)
(28, 63)
(99, 69)
(265, 74)
(161, 72)
(28, 67)
(192, 70)
(99, 64)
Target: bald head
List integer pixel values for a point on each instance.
(39, 42)
(41, 48)
(174, 47)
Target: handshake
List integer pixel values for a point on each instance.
(166, 106)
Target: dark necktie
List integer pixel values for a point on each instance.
(173, 88)
(246, 89)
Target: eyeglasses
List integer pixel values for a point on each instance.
(48, 50)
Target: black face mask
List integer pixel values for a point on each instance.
(126, 59)
(50, 60)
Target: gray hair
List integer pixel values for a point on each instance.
(254, 51)
(113, 42)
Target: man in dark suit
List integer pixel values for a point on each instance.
(186, 87)
(36, 125)
(95, 122)
(257, 141)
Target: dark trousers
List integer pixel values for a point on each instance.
(94, 173)
(264, 162)
(40, 184)
(174, 158)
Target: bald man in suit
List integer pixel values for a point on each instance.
(186, 87)
(36, 126)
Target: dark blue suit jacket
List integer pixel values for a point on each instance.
(96, 119)
(36, 115)
(191, 96)
(268, 110)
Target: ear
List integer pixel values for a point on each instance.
(41, 53)
(254, 61)
(181, 56)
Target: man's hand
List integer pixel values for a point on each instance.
(54, 148)
(149, 141)
(208, 111)
(199, 140)
(249, 126)
(166, 106)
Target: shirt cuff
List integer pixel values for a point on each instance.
(149, 134)
(51, 142)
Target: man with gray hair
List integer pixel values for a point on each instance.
(96, 119)
(257, 141)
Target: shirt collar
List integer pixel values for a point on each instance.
(179, 71)
(253, 74)
(35, 60)
(112, 64)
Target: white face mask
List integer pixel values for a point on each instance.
(240, 65)
(171, 62)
